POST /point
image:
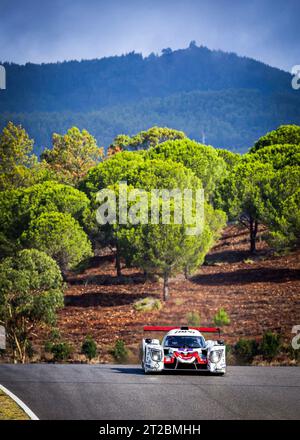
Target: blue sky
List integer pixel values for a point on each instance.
(48, 31)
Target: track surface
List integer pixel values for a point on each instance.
(124, 392)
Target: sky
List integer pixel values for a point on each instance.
(48, 31)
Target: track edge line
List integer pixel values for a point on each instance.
(19, 402)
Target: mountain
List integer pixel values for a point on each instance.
(227, 99)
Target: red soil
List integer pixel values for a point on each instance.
(258, 294)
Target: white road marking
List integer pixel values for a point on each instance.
(19, 402)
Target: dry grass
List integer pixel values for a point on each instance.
(9, 410)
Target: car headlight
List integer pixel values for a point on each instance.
(215, 356)
(156, 355)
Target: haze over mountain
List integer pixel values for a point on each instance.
(226, 100)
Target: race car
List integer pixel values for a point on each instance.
(183, 348)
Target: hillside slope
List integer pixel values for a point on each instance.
(259, 294)
(232, 119)
(94, 84)
(227, 99)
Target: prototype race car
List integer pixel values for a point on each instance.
(183, 348)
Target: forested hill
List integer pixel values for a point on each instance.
(230, 100)
(92, 85)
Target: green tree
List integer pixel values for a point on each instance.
(144, 139)
(214, 222)
(138, 172)
(52, 196)
(166, 249)
(282, 208)
(72, 155)
(156, 249)
(19, 207)
(162, 249)
(31, 291)
(60, 236)
(242, 194)
(119, 144)
(279, 156)
(229, 157)
(17, 160)
(285, 134)
(203, 160)
(280, 196)
(124, 166)
(221, 318)
(263, 188)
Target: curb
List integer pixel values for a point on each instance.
(19, 402)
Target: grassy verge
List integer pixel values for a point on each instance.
(9, 410)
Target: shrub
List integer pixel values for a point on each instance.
(54, 334)
(293, 354)
(221, 318)
(89, 348)
(270, 345)
(246, 349)
(147, 304)
(193, 319)
(249, 261)
(120, 351)
(30, 350)
(61, 351)
(230, 355)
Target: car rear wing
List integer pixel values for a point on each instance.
(162, 328)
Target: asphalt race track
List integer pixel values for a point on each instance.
(124, 392)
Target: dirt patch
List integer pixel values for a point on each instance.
(258, 292)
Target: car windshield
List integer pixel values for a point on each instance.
(185, 342)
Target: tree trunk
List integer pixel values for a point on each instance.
(18, 353)
(253, 226)
(186, 273)
(64, 276)
(118, 261)
(166, 287)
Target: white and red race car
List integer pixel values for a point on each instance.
(183, 348)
